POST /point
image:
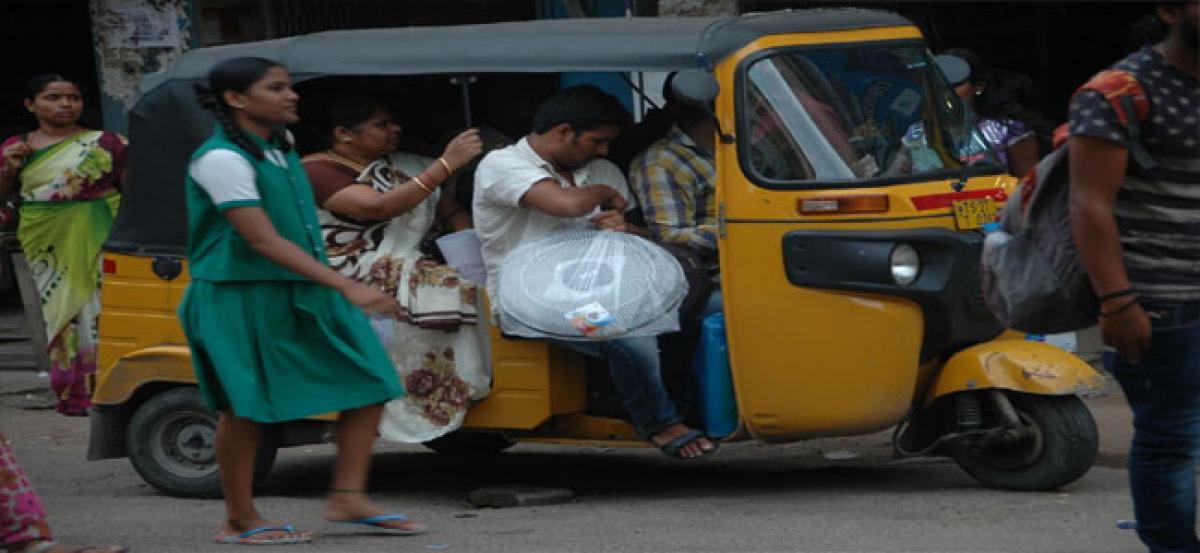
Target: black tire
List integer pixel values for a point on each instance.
(171, 441)
(470, 444)
(1061, 448)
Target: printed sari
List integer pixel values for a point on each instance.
(69, 199)
(22, 517)
(438, 346)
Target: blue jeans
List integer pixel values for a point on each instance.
(634, 366)
(715, 304)
(1163, 391)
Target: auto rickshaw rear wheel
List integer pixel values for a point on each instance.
(1056, 445)
(171, 441)
(470, 444)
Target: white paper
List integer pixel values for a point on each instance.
(1067, 341)
(128, 24)
(385, 328)
(464, 252)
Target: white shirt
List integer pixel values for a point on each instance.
(502, 223)
(227, 176)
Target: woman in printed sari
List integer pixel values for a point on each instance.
(68, 178)
(23, 527)
(374, 214)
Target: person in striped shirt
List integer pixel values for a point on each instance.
(1138, 232)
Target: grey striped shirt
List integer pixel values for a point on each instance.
(1157, 211)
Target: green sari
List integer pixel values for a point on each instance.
(69, 194)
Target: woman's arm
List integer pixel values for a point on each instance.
(1022, 156)
(364, 203)
(14, 154)
(255, 227)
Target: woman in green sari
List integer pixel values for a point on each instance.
(68, 179)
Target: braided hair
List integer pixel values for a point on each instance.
(237, 75)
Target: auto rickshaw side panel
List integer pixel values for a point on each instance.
(531, 381)
(138, 322)
(141, 342)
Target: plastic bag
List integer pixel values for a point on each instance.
(385, 328)
(589, 285)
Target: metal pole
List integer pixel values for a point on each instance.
(464, 84)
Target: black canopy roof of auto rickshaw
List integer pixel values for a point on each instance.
(166, 125)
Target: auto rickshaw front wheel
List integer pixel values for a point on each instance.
(172, 438)
(1055, 444)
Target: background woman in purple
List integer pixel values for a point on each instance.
(1011, 129)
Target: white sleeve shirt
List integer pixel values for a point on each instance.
(503, 178)
(227, 177)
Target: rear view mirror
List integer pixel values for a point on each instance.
(695, 88)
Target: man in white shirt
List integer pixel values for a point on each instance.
(554, 179)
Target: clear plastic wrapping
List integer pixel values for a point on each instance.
(590, 285)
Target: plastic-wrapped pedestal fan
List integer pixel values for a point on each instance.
(590, 285)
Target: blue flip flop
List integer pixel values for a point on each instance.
(248, 537)
(377, 522)
(674, 448)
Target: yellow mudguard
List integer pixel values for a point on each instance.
(164, 363)
(1021, 366)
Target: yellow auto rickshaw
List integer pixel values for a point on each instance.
(851, 189)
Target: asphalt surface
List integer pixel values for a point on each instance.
(822, 495)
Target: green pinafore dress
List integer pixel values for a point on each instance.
(268, 344)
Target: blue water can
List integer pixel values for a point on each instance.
(718, 407)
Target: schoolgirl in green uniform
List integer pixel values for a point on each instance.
(275, 333)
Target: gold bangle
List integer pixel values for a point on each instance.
(421, 184)
(446, 164)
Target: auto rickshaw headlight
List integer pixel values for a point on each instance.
(906, 264)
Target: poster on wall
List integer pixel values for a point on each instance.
(128, 24)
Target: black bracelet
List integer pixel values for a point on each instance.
(1114, 295)
(1119, 310)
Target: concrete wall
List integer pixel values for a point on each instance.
(132, 39)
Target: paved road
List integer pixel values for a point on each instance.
(824, 495)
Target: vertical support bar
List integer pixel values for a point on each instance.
(465, 83)
(31, 302)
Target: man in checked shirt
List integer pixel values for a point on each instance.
(675, 183)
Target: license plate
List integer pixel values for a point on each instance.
(972, 214)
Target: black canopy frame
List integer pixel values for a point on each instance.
(166, 124)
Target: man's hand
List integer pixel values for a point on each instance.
(1128, 332)
(613, 220)
(615, 201)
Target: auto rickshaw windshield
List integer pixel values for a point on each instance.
(854, 113)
